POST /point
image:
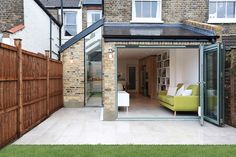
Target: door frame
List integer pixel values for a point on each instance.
(220, 83)
(161, 118)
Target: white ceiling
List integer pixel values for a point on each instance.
(138, 53)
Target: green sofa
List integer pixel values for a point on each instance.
(181, 103)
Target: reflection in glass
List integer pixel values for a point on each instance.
(221, 10)
(93, 68)
(211, 85)
(231, 10)
(146, 9)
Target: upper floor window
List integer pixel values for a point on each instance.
(70, 23)
(93, 16)
(146, 11)
(222, 11)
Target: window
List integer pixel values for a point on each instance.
(70, 23)
(93, 16)
(222, 11)
(146, 11)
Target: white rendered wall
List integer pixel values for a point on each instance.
(36, 34)
(184, 66)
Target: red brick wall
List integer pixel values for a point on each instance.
(230, 87)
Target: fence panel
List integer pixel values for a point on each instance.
(55, 85)
(30, 90)
(8, 94)
(34, 71)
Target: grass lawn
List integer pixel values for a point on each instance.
(118, 151)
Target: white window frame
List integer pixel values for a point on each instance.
(76, 14)
(136, 19)
(89, 15)
(221, 20)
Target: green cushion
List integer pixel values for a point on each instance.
(195, 89)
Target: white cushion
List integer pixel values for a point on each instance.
(187, 92)
(120, 87)
(180, 91)
(172, 91)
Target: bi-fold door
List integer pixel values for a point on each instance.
(212, 84)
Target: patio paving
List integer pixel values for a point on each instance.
(83, 126)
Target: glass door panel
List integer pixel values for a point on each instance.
(93, 69)
(211, 84)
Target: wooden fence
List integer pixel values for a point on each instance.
(31, 88)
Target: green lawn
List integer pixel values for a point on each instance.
(119, 151)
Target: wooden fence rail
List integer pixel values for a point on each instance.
(31, 88)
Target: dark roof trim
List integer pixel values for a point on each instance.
(47, 12)
(184, 26)
(82, 34)
(156, 40)
(55, 7)
(204, 34)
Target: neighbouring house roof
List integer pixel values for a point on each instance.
(155, 32)
(92, 2)
(145, 32)
(57, 3)
(47, 12)
(15, 29)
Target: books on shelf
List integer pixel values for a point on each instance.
(163, 71)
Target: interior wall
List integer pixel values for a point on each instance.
(123, 64)
(184, 66)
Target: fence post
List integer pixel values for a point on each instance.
(18, 45)
(48, 81)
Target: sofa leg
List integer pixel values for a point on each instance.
(175, 113)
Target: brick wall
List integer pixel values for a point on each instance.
(85, 12)
(230, 87)
(11, 14)
(73, 75)
(173, 11)
(84, 18)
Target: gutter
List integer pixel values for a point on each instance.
(60, 31)
(50, 38)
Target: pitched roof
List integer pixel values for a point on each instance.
(57, 3)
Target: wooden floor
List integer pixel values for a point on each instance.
(141, 106)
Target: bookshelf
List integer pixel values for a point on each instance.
(163, 71)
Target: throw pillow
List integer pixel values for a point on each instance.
(187, 92)
(171, 91)
(180, 91)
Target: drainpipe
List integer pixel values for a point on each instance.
(60, 31)
(50, 38)
(102, 8)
